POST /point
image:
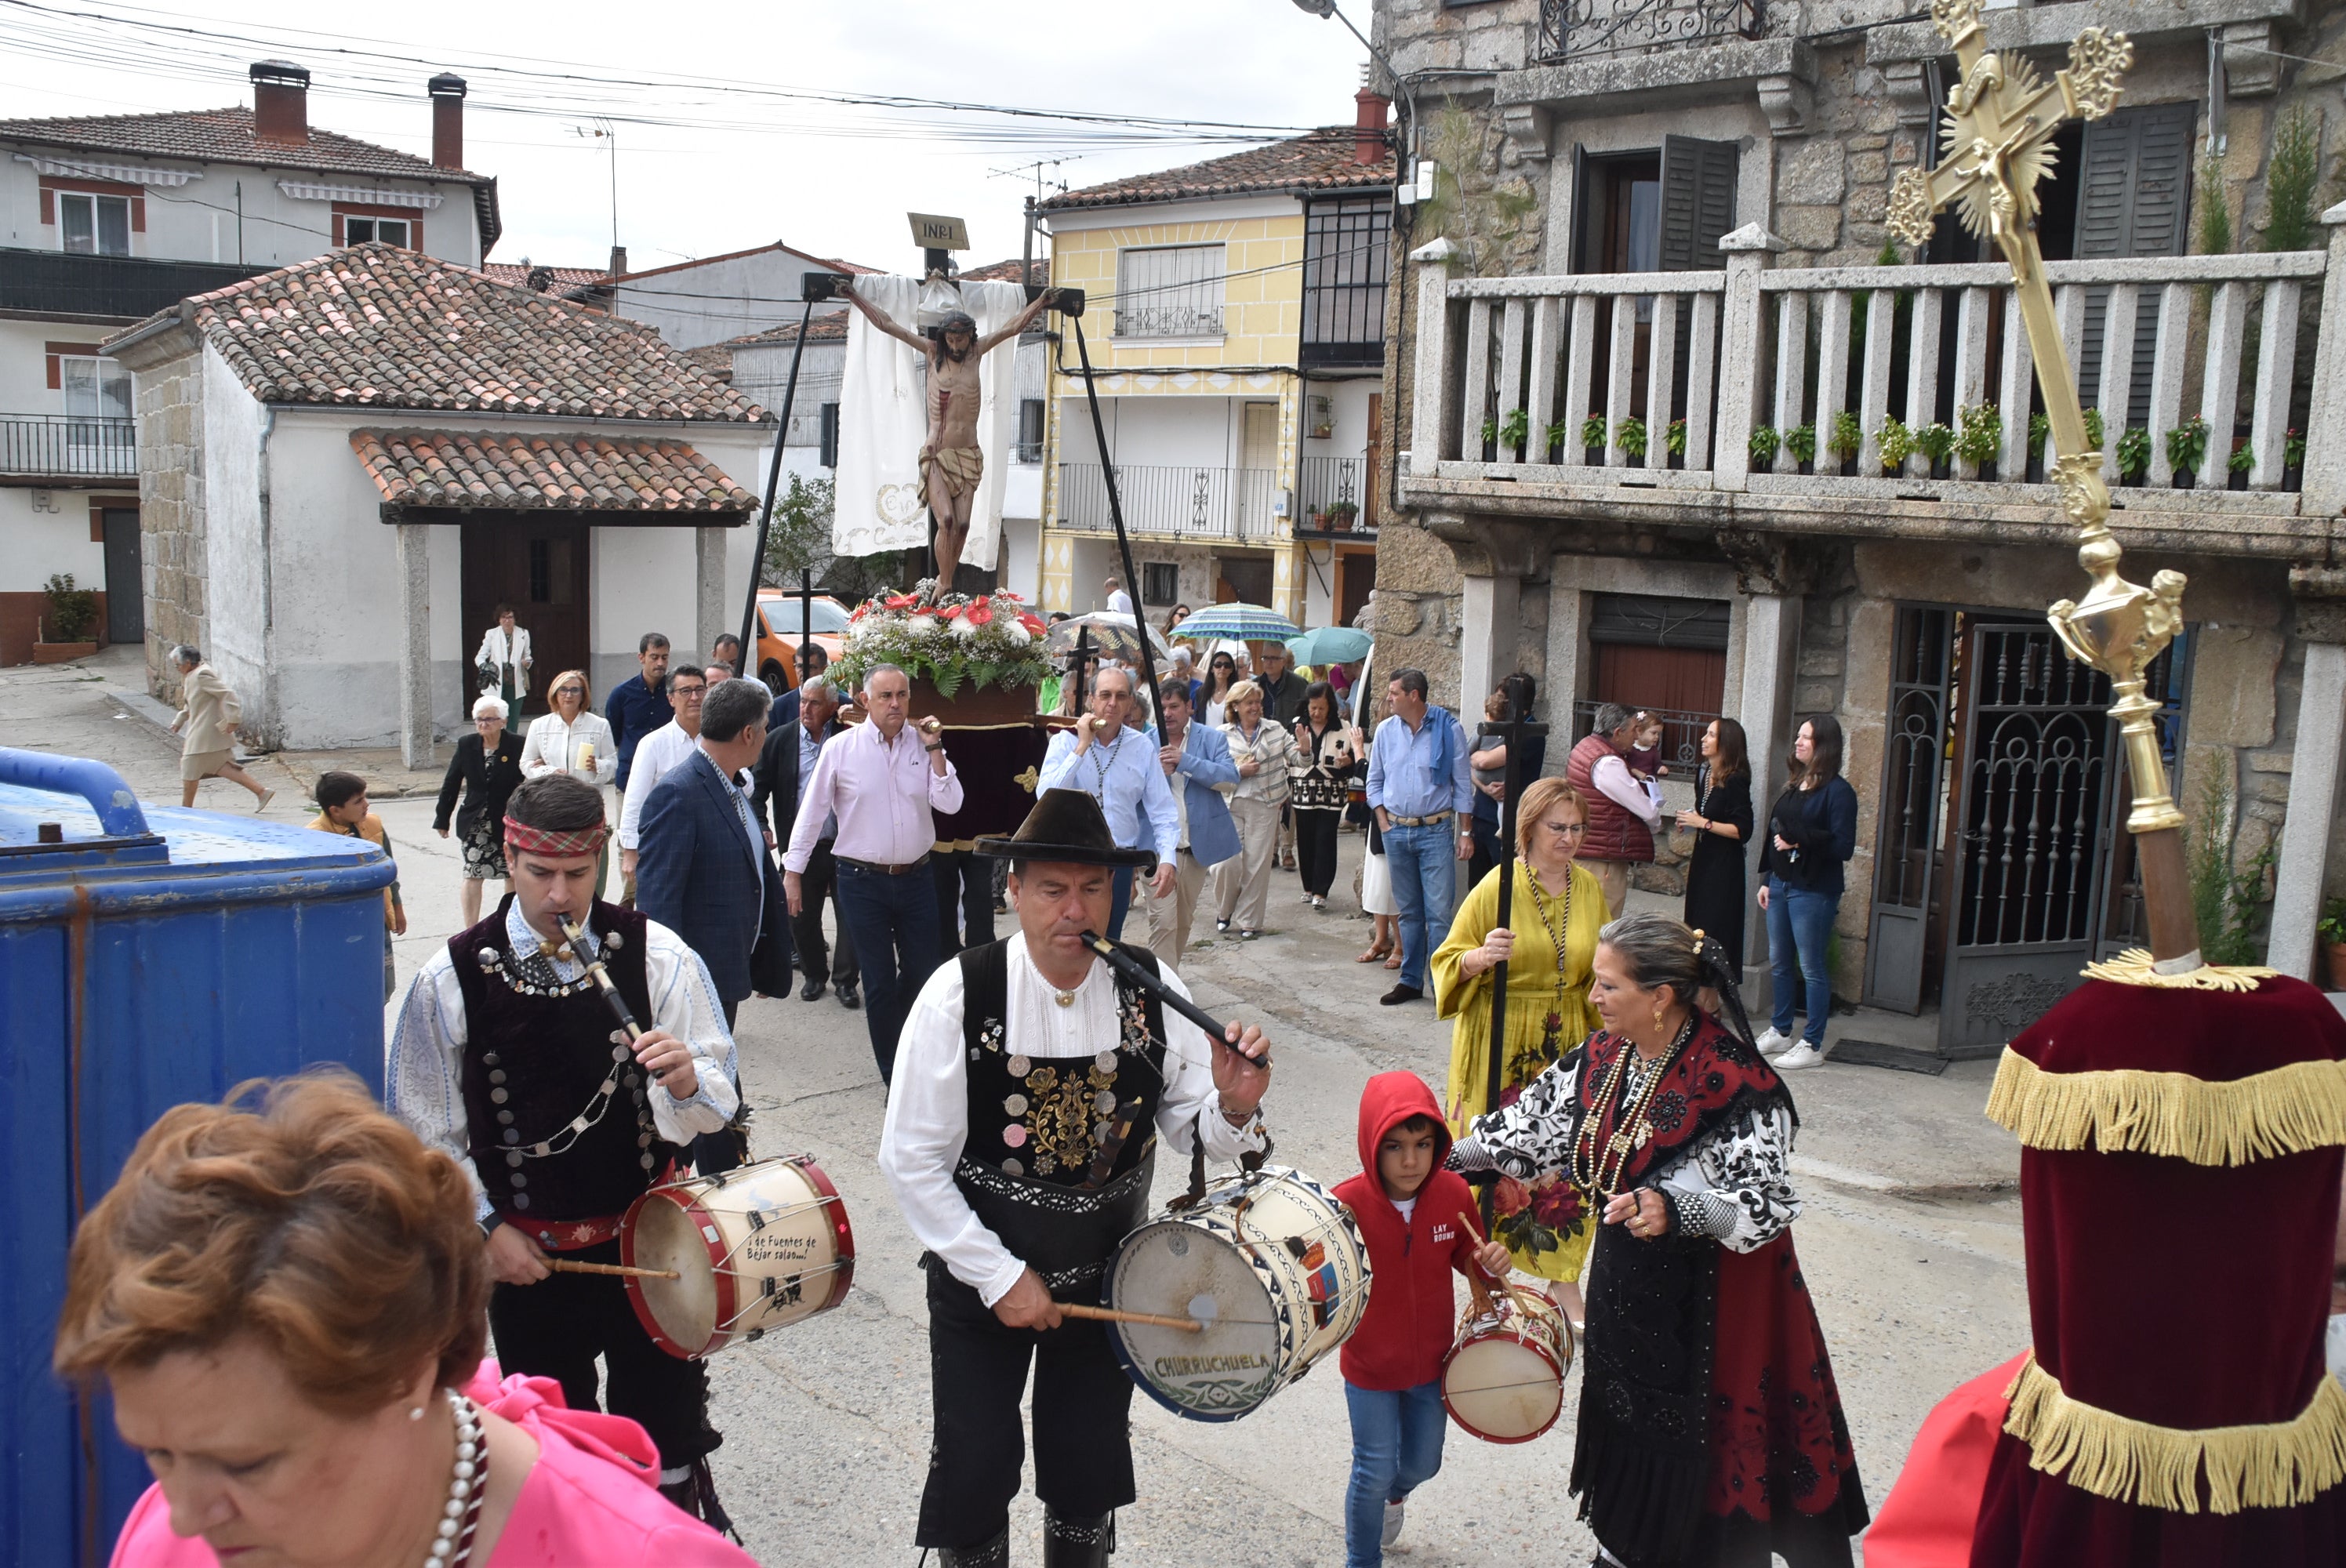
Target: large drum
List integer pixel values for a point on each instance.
(755, 1248)
(1268, 1262)
(1503, 1379)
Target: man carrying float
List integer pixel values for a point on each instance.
(1032, 1084)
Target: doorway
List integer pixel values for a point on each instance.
(1258, 475)
(1356, 579)
(126, 590)
(537, 564)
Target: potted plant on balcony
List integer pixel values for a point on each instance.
(1344, 517)
(1979, 438)
(1674, 441)
(1629, 435)
(2186, 449)
(2243, 458)
(2040, 431)
(2134, 455)
(72, 614)
(2094, 431)
(1592, 439)
(1513, 431)
(2292, 459)
(1846, 439)
(1801, 441)
(1766, 442)
(1490, 438)
(2331, 929)
(1897, 444)
(1937, 442)
(1552, 441)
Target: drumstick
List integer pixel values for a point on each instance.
(1216, 1030)
(571, 1266)
(1110, 1315)
(1475, 1287)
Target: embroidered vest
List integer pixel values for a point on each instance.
(1032, 1164)
(537, 1055)
(1614, 833)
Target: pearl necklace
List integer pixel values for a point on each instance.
(1631, 1129)
(452, 1546)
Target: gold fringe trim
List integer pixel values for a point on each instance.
(2277, 1466)
(2288, 1111)
(2133, 967)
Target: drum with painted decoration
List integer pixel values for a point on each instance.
(755, 1248)
(1268, 1262)
(1502, 1380)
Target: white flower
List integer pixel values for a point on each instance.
(1012, 633)
(963, 628)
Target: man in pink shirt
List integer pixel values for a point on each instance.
(882, 782)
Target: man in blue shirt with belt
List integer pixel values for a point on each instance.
(639, 704)
(1421, 789)
(1118, 766)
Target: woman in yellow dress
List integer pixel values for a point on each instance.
(1559, 909)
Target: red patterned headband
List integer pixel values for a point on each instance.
(522, 838)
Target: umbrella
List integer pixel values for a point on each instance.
(1112, 634)
(1328, 645)
(1250, 623)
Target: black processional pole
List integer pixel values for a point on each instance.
(1514, 731)
(812, 287)
(1116, 516)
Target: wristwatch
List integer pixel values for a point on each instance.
(940, 745)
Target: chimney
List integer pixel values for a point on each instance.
(280, 101)
(619, 259)
(1370, 110)
(447, 92)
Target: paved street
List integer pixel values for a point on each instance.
(1910, 1240)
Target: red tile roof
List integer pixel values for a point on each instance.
(502, 470)
(1321, 160)
(827, 328)
(378, 326)
(1008, 271)
(517, 274)
(830, 262)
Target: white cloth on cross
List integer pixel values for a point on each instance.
(881, 503)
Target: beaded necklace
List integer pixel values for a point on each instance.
(1099, 768)
(1559, 926)
(1631, 1129)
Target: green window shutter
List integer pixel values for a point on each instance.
(1698, 202)
(2136, 200)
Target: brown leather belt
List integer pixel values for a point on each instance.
(877, 869)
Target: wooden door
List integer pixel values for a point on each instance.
(125, 595)
(1356, 578)
(1257, 469)
(1375, 465)
(537, 564)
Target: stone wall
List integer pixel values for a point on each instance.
(168, 399)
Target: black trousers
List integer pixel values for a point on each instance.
(964, 900)
(1485, 858)
(1315, 848)
(556, 1328)
(977, 1370)
(722, 1150)
(821, 881)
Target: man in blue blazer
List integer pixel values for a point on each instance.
(1197, 761)
(703, 871)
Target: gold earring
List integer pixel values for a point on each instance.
(1658, 1015)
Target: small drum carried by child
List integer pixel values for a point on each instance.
(755, 1248)
(1272, 1267)
(1504, 1379)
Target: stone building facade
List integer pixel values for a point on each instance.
(1741, 170)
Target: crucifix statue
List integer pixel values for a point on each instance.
(1996, 144)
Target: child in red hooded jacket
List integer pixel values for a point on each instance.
(1412, 1219)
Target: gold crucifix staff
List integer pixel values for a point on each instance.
(1997, 143)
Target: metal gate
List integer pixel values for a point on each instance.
(1902, 955)
(2029, 804)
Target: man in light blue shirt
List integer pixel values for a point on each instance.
(1117, 765)
(1421, 789)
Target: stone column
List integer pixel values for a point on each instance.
(709, 618)
(1771, 654)
(1567, 647)
(2324, 481)
(413, 548)
(2304, 851)
(1490, 618)
(1434, 407)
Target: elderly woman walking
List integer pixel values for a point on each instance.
(209, 712)
(571, 737)
(487, 769)
(1265, 755)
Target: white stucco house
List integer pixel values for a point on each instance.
(346, 464)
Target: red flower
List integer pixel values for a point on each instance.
(1032, 623)
(1510, 1195)
(1557, 1205)
(900, 601)
(980, 614)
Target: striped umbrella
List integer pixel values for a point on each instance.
(1247, 623)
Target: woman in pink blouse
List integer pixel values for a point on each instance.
(287, 1299)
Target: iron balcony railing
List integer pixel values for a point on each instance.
(1026, 451)
(1680, 747)
(1332, 498)
(1168, 321)
(1574, 27)
(67, 446)
(1165, 499)
(55, 283)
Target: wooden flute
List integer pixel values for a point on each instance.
(1216, 1030)
(603, 983)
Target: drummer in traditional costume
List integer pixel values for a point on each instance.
(1032, 1086)
(1710, 1432)
(502, 1053)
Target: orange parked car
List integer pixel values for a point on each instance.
(778, 634)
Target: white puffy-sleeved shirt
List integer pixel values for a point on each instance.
(423, 1064)
(928, 1108)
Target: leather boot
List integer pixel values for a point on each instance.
(1078, 1543)
(993, 1554)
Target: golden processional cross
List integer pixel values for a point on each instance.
(1997, 143)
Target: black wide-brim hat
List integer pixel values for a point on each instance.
(1066, 826)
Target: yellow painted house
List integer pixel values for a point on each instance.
(1235, 317)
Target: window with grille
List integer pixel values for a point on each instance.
(1347, 261)
(94, 225)
(1169, 292)
(1030, 432)
(1160, 583)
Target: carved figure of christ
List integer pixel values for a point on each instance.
(952, 461)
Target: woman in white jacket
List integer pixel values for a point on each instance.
(572, 738)
(503, 661)
(1264, 754)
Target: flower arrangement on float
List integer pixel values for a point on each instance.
(954, 640)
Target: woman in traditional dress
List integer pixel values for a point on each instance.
(288, 1299)
(1558, 908)
(1710, 1432)
(1720, 818)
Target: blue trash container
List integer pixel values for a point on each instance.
(150, 956)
